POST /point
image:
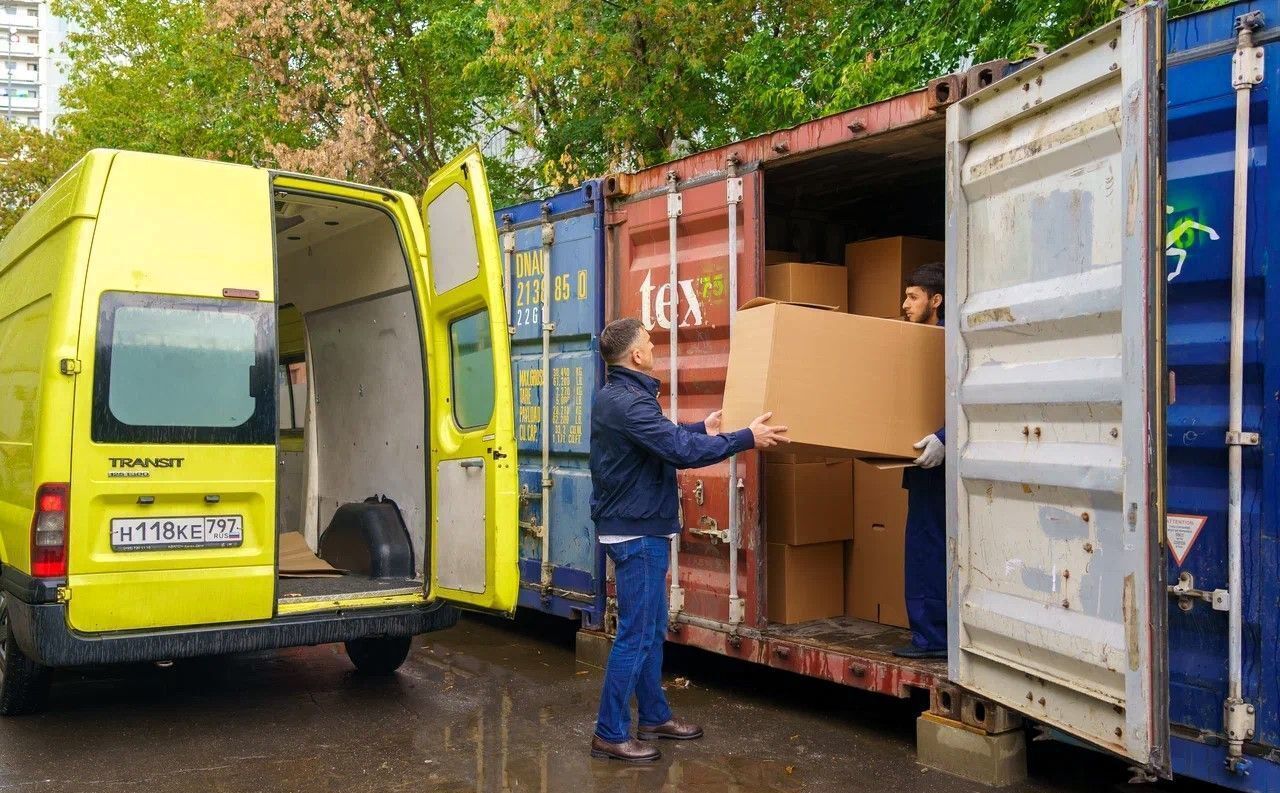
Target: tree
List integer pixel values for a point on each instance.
(608, 85)
(383, 91)
(373, 90)
(616, 84)
(153, 75)
(32, 160)
(387, 91)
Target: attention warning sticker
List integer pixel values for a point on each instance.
(1182, 531)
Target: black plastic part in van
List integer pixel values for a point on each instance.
(369, 538)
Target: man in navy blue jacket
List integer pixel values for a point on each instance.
(926, 537)
(635, 452)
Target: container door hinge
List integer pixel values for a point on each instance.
(69, 366)
(1247, 63)
(1187, 594)
(675, 606)
(675, 205)
(733, 188)
(1243, 438)
(64, 594)
(1239, 719)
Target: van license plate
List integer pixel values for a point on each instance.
(159, 534)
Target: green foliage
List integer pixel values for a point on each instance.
(32, 160)
(152, 75)
(575, 88)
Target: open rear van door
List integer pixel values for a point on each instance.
(475, 535)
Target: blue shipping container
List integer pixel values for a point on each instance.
(1200, 197)
(568, 230)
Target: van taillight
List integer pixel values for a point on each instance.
(49, 531)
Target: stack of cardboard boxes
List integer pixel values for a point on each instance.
(864, 386)
(809, 506)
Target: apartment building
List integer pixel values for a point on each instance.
(30, 74)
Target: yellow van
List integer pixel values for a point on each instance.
(243, 409)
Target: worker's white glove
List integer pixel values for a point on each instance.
(935, 451)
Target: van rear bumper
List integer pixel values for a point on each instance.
(42, 632)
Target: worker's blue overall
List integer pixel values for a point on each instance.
(926, 554)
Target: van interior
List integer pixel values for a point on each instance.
(887, 185)
(352, 475)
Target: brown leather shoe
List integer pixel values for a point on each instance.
(629, 751)
(675, 729)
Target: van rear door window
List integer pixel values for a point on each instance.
(175, 369)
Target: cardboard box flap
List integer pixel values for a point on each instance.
(756, 302)
(890, 463)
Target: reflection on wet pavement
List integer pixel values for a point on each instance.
(484, 707)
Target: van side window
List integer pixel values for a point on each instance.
(455, 256)
(471, 353)
(174, 369)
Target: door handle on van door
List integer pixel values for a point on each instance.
(471, 464)
(497, 454)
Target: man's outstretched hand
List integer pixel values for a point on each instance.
(766, 435)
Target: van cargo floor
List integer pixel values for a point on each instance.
(853, 636)
(351, 585)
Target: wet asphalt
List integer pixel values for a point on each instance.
(487, 706)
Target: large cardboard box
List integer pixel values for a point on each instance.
(805, 582)
(821, 284)
(846, 386)
(878, 270)
(778, 257)
(874, 561)
(808, 503)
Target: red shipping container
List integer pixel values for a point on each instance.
(873, 171)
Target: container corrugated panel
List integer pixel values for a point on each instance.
(639, 287)
(1201, 128)
(576, 254)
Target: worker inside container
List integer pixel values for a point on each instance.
(926, 535)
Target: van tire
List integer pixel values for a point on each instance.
(380, 655)
(24, 684)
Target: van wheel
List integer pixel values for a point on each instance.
(24, 684)
(379, 656)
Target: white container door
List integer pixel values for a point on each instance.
(1055, 425)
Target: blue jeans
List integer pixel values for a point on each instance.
(635, 662)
